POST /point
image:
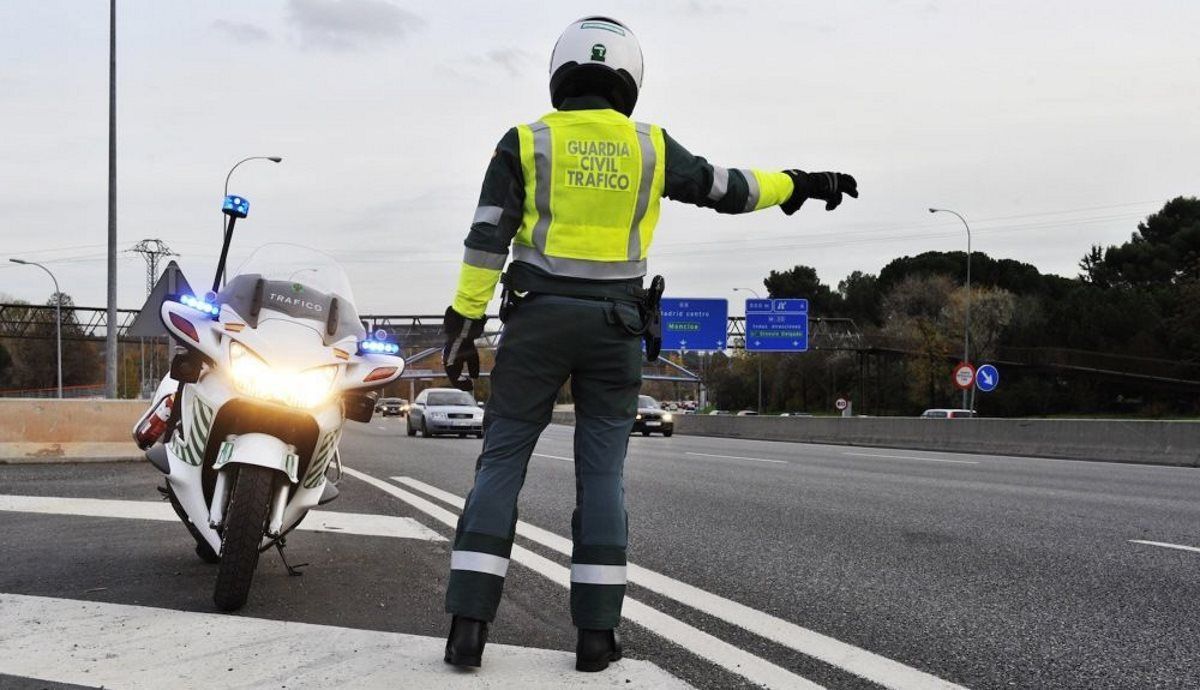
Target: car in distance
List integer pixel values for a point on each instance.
(445, 411)
(389, 407)
(651, 418)
(945, 413)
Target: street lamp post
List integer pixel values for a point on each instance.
(111, 369)
(57, 316)
(967, 327)
(759, 356)
(227, 228)
(273, 159)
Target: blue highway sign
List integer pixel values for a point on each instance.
(777, 325)
(698, 325)
(987, 377)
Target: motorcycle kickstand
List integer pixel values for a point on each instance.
(294, 571)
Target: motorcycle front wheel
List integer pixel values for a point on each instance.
(245, 522)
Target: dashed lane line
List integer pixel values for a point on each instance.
(860, 662)
(738, 457)
(704, 645)
(317, 521)
(1166, 545)
(553, 457)
(118, 645)
(909, 457)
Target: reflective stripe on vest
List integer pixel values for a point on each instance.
(593, 187)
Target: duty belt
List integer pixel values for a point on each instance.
(647, 300)
(523, 282)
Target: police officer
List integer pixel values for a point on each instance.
(575, 196)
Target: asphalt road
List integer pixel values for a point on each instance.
(759, 562)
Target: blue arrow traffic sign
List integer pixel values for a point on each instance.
(697, 325)
(777, 325)
(987, 377)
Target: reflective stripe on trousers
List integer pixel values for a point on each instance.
(479, 562)
(588, 574)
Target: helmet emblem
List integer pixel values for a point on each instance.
(598, 52)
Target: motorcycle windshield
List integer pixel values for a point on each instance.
(295, 282)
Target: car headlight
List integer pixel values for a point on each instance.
(254, 377)
(639, 416)
(668, 417)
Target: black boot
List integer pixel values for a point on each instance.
(465, 645)
(596, 648)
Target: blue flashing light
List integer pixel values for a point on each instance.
(200, 305)
(236, 206)
(379, 347)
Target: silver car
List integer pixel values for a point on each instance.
(445, 411)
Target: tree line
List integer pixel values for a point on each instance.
(1123, 336)
(30, 362)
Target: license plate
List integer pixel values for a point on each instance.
(463, 422)
(653, 423)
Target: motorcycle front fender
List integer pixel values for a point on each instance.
(262, 450)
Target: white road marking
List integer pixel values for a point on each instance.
(738, 457)
(317, 520)
(704, 645)
(117, 645)
(860, 662)
(910, 457)
(553, 457)
(1165, 545)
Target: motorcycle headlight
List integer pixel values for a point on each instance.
(254, 377)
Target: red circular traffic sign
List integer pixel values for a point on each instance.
(964, 375)
(841, 404)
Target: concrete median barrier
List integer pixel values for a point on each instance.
(68, 430)
(1107, 440)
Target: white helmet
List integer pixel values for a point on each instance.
(597, 55)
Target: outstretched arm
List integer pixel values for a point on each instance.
(693, 180)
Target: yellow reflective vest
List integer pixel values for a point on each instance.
(593, 183)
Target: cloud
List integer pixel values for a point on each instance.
(512, 60)
(349, 24)
(698, 8)
(242, 31)
(515, 62)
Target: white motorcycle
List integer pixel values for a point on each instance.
(271, 366)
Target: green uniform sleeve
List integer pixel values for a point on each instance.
(497, 219)
(693, 180)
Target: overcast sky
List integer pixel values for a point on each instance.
(1051, 125)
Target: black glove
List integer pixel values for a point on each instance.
(461, 333)
(826, 186)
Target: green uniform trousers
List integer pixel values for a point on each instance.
(546, 341)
